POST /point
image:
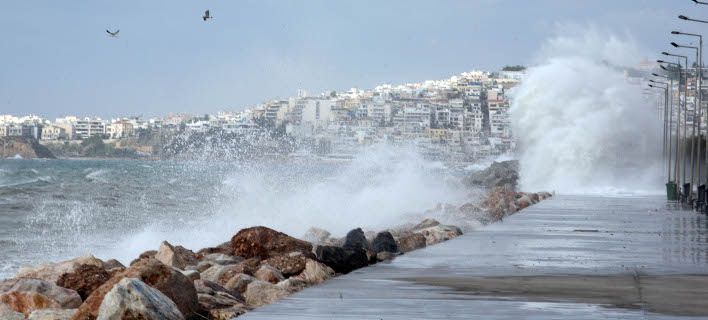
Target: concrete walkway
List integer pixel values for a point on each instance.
(571, 257)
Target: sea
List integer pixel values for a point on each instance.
(52, 210)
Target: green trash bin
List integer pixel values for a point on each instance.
(671, 193)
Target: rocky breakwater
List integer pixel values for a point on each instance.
(25, 147)
(257, 266)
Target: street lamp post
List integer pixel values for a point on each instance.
(699, 100)
(675, 151)
(666, 133)
(694, 122)
(682, 147)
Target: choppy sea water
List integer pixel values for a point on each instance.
(58, 209)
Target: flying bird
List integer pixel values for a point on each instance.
(206, 16)
(113, 34)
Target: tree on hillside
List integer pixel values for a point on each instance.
(514, 68)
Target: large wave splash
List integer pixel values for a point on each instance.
(582, 127)
(383, 187)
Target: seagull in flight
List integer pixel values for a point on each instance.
(206, 16)
(113, 34)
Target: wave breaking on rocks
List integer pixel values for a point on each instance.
(257, 266)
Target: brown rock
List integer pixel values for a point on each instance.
(221, 274)
(175, 256)
(288, 265)
(145, 255)
(51, 272)
(534, 197)
(264, 242)
(26, 302)
(66, 298)
(224, 248)
(523, 202)
(411, 241)
(112, 264)
(269, 274)
(211, 288)
(500, 201)
(167, 280)
(84, 279)
(239, 282)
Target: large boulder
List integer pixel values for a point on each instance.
(171, 282)
(131, 298)
(342, 260)
(262, 242)
(288, 265)
(356, 239)
(440, 233)
(84, 279)
(260, 293)
(384, 242)
(408, 242)
(53, 271)
(51, 314)
(499, 203)
(64, 298)
(268, 274)
(175, 256)
(221, 274)
(499, 174)
(315, 273)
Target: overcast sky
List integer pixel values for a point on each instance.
(56, 58)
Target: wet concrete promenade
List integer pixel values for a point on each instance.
(571, 257)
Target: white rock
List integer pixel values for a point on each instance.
(260, 293)
(315, 272)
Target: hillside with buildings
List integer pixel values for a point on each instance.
(463, 117)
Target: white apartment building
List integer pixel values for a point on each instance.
(87, 127)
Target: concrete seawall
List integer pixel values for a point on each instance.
(578, 257)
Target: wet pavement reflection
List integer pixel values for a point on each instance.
(644, 258)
